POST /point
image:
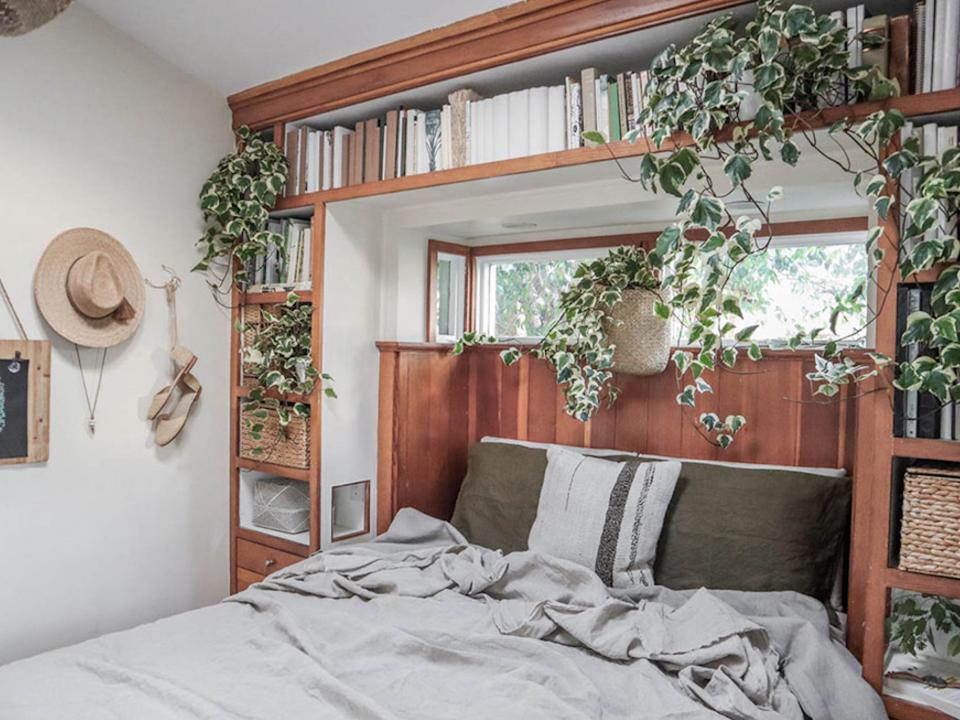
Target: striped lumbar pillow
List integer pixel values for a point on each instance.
(603, 515)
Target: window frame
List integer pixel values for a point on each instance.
(435, 249)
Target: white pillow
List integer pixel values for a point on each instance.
(604, 515)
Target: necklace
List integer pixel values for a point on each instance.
(91, 406)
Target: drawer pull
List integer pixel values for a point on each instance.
(269, 562)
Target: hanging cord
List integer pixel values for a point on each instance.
(91, 406)
(13, 312)
(170, 288)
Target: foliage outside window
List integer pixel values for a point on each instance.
(917, 621)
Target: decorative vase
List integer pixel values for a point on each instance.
(641, 337)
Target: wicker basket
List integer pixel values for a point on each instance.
(291, 450)
(930, 531)
(641, 337)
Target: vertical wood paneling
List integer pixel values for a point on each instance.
(434, 404)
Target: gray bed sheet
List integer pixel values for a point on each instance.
(419, 624)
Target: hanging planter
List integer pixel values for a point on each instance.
(641, 337)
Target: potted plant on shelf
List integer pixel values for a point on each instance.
(277, 354)
(236, 201)
(791, 63)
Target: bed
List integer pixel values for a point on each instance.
(422, 623)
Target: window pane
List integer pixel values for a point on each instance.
(788, 288)
(443, 298)
(528, 295)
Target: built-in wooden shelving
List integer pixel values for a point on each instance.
(274, 298)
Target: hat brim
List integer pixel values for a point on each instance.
(50, 288)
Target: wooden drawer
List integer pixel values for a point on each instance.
(261, 559)
(245, 579)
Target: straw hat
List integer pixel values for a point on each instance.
(18, 17)
(89, 288)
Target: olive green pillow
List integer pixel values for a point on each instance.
(498, 499)
(758, 529)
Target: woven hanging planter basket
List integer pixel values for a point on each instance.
(641, 337)
(18, 17)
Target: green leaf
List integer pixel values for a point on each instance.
(754, 352)
(737, 168)
(789, 153)
(594, 137)
(707, 212)
(661, 309)
(917, 328)
(744, 334)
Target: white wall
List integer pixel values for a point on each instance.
(112, 531)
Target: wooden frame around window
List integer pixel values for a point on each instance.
(642, 239)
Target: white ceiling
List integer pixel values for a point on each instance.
(231, 45)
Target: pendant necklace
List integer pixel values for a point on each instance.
(91, 406)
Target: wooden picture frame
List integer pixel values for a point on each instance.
(35, 357)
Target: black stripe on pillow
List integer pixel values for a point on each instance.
(607, 550)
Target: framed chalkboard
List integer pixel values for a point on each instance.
(24, 401)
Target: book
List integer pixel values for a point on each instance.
(446, 133)
(945, 44)
(929, 23)
(501, 127)
(340, 151)
(357, 149)
(613, 111)
(432, 140)
(900, 53)
(919, 44)
(293, 162)
(422, 152)
(622, 104)
(588, 93)
(556, 119)
(326, 181)
(303, 151)
(879, 56)
(371, 150)
(574, 109)
(488, 140)
(518, 135)
(390, 149)
(459, 102)
(602, 95)
(537, 140)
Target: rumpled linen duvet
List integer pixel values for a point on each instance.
(419, 624)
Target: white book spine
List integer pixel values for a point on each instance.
(575, 128)
(603, 106)
(423, 156)
(556, 119)
(446, 138)
(489, 139)
(911, 397)
(306, 265)
(928, 49)
(411, 144)
(945, 44)
(293, 245)
(471, 132)
(538, 120)
(501, 127)
(327, 141)
(519, 134)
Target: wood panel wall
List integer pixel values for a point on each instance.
(433, 405)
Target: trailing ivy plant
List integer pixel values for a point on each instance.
(790, 63)
(235, 201)
(281, 357)
(575, 344)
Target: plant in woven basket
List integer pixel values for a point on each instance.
(915, 620)
(280, 356)
(577, 344)
(235, 201)
(792, 62)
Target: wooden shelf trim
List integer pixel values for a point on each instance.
(905, 710)
(918, 582)
(274, 298)
(279, 470)
(927, 449)
(504, 35)
(910, 105)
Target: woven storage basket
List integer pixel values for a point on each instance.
(641, 337)
(281, 504)
(292, 450)
(930, 531)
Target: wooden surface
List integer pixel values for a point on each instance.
(262, 559)
(505, 35)
(438, 404)
(38, 397)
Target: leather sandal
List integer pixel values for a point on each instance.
(170, 424)
(184, 359)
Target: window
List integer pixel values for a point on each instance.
(518, 295)
(449, 300)
(796, 285)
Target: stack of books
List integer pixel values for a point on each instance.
(281, 272)
(920, 51)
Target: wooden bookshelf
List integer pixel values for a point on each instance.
(911, 106)
(528, 30)
(275, 298)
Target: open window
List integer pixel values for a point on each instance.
(448, 280)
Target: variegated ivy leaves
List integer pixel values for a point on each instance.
(576, 343)
(235, 201)
(280, 355)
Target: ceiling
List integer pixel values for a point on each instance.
(231, 45)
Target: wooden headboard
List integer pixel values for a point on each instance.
(434, 405)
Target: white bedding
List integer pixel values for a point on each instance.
(419, 625)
